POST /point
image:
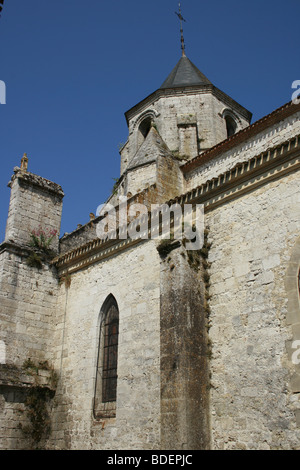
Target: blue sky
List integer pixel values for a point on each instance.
(73, 68)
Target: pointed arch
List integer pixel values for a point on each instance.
(230, 126)
(107, 360)
(232, 121)
(143, 125)
(144, 128)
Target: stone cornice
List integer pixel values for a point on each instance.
(244, 177)
(13, 248)
(189, 90)
(90, 253)
(24, 251)
(267, 121)
(12, 377)
(30, 179)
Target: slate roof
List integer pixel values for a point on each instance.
(185, 73)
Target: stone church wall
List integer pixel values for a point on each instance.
(132, 277)
(204, 357)
(253, 402)
(27, 309)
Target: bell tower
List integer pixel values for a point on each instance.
(189, 114)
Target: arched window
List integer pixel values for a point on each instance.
(230, 126)
(144, 129)
(107, 361)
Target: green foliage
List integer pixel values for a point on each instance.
(38, 399)
(37, 411)
(115, 186)
(34, 260)
(41, 247)
(42, 239)
(194, 259)
(166, 246)
(29, 364)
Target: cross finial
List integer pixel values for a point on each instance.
(181, 29)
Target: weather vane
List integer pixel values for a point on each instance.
(181, 28)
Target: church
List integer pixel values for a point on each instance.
(120, 342)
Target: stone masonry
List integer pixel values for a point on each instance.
(207, 338)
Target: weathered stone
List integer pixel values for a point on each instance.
(206, 338)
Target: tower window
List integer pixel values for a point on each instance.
(143, 131)
(145, 127)
(230, 126)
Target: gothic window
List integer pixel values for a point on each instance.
(230, 126)
(144, 129)
(110, 356)
(107, 361)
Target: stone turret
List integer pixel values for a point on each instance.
(35, 204)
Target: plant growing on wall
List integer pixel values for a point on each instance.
(115, 186)
(40, 241)
(37, 403)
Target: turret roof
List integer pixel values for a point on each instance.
(185, 73)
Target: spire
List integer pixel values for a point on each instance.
(181, 29)
(184, 74)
